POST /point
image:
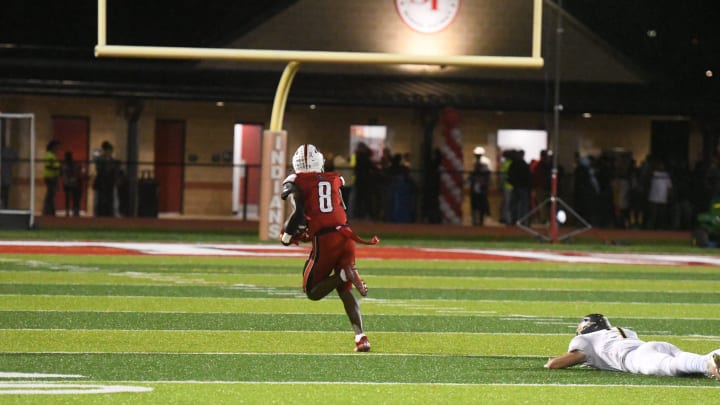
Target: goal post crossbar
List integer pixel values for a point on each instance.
(264, 55)
(535, 60)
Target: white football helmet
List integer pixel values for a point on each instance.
(307, 159)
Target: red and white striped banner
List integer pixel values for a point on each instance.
(451, 169)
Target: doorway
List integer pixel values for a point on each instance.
(531, 141)
(169, 167)
(247, 148)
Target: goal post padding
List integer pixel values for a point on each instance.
(274, 171)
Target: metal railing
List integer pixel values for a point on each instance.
(422, 203)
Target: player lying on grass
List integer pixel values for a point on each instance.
(319, 215)
(598, 344)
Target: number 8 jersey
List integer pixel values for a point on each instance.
(322, 200)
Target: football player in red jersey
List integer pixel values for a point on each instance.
(319, 216)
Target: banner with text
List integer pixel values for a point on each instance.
(274, 171)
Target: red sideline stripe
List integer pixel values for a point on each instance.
(68, 250)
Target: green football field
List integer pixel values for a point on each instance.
(154, 329)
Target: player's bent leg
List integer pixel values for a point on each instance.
(323, 288)
(665, 359)
(318, 277)
(649, 361)
(351, 274)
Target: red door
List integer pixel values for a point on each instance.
(73, 134)
(251, 154)
(169, 169)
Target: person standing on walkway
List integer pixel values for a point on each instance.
(107, 171)
(479, 181)
(505, 187)
(659, 197)
(51, 173)
(72, 184)
(519, 177)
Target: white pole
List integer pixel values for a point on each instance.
(238, 168)
(31, 223)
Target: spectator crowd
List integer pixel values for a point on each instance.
(377, 189)
(610, 190)
(613, 190)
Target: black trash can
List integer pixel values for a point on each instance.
(147, 195)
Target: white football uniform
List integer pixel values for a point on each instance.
(606, 349)
(620, 349)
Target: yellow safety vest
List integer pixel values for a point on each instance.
(52, 166)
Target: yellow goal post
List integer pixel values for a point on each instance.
(535, 60)
(269, 219)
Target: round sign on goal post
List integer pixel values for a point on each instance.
(427, 16)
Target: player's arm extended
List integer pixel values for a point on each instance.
(296, 221)
(566, 360)
(342, 199)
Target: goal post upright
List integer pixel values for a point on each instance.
(274, 166)
(281, 96)
(295, 58)
(101, 24)
(537, 32)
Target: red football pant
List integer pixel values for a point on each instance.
(330, 251)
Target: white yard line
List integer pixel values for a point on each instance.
(429, 384)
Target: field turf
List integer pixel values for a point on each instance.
(151, 329)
